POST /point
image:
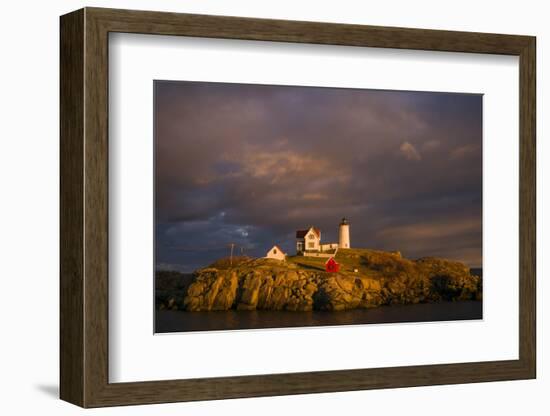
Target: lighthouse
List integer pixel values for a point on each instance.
(343, 234)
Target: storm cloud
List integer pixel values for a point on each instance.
(250, 164)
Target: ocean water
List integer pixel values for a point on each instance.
(182, 321)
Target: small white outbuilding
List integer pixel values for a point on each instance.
(276, 253)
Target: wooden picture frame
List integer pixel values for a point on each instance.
(84, 207)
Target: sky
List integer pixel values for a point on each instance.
(250, 164)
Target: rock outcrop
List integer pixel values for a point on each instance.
(212, 290)
(367, 279)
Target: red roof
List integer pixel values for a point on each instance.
(302, 233)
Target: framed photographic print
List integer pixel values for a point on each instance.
(255, 207)
(253, 184)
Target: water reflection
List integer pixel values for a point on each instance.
(180, 321)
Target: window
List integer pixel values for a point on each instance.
(274, 251)
(311, 237)
(310, 245)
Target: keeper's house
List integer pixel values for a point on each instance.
(308, 240)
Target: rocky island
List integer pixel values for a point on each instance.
(366, 279)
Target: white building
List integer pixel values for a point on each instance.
(343, 234)
(328, 246)
(276, 253)
(308, 242)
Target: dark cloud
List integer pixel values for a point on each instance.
(250, 164)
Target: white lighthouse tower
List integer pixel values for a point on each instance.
(343, 234)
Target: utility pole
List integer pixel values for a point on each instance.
(231, 258)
